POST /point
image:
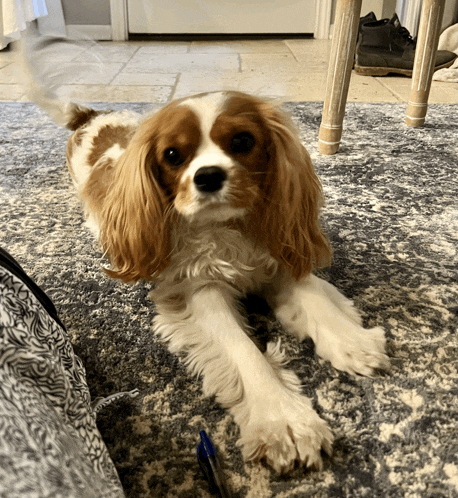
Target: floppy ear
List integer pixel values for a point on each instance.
(289, 210)
(134, 225)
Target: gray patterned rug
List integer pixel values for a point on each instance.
(392, 218)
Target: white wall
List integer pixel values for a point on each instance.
(386, 9)
(87, 12)
(381, 8)
(404, 8)
(450, 13)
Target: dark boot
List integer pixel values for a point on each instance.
(371, 17)
(386, 47)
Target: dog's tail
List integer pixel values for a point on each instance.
(40, 86)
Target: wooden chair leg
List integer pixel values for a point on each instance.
(432, 12)
(338, 80)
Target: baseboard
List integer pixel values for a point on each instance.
(322, 19)
(89, 31)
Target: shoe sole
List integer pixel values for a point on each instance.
(383, 71)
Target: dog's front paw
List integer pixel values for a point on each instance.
(296, 438)
(360, 353)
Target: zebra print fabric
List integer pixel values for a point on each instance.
(49, 443)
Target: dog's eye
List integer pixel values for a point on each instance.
(242, 143)
(173, 157)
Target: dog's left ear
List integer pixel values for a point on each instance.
(292, 199)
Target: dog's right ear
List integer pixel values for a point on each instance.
(135, 232)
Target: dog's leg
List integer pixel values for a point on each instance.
(314, 308)
(277, 423)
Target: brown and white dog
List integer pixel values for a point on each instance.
(214, 197)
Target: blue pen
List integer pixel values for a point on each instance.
(208, 461)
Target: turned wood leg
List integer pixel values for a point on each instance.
(339, 71)
(425, 58)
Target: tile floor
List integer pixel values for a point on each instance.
(154, 71)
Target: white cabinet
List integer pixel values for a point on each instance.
(220, 16)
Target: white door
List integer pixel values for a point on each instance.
(220, 16)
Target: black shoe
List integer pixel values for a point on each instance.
(371, 17)
(386, 47)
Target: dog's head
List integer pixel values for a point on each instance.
(213, 158)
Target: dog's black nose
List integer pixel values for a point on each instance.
(209, 179)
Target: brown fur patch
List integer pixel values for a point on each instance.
(241, 114)
(82, 116)
(78, 137)
(108, 136)
(244, 191)
(179, 129)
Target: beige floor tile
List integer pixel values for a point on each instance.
(8, 56)
(368, 89)
(64, 51)
(177, 63)
(86, 73)
(190, 84)
(440, 93)
(11, 74)
(119, 93)
(56, 52)
(269, 62)
(239, 47)
(309, 50)
(443, 93)
(281, 64)
(161, 48)
(11, 92)
(282, 74)
(108, 52)
(290, 69)
(300, 87)
(310, 87)
(145, 79)
(313, 65)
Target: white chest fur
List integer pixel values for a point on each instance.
(219, 253)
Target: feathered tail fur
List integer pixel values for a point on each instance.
(41, 81)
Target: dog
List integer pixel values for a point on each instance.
(211, 198)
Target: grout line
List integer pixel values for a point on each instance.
(124, 64)
(174, 88)
(393, 92)
(81, 52)
(133, 53)
(292, 53)
(5, 66)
